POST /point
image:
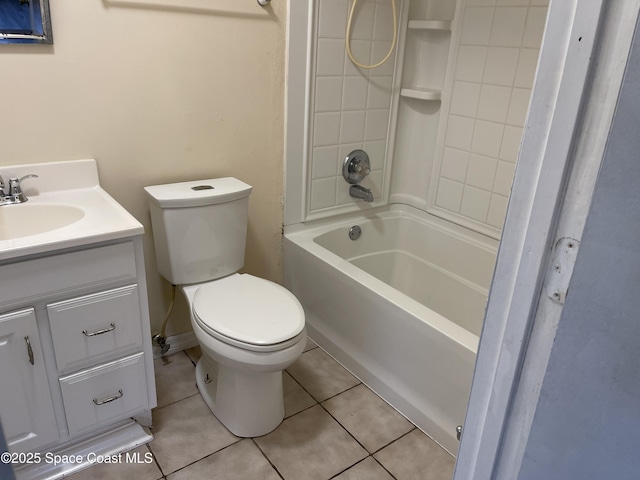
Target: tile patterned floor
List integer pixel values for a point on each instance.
(334, 428)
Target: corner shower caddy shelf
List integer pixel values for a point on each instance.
(419, 92)
(429, 25)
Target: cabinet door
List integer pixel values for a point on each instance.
(26, 408)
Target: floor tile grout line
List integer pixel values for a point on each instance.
(346, 430)
(371, 454)
(264, 454)
(383, 467)
(176, 401)
(190, 359)
(332, 396)
(349, 467)
(155, 460)
(202, 458)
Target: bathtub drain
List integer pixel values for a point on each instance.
(355, 232)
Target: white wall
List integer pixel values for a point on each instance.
(157, 92)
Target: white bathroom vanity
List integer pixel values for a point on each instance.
(76, 366)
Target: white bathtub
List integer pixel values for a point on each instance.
(401, 307)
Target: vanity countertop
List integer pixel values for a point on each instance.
(66, 208)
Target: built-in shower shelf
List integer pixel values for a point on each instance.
(429, 25)
(421, 93)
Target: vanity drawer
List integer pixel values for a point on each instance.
(60, 275)
(104, 394)
(95, 327)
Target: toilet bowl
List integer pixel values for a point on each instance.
(249, 329)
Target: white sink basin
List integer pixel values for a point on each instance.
(27, 219)
(67, 208)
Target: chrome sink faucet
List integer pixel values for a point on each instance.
(15, 193)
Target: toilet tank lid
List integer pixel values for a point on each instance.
(198, 192)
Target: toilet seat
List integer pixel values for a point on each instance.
(249, 312)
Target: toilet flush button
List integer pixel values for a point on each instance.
(202, 187)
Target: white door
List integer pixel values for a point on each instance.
(26, 408)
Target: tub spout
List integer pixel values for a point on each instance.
(358, 191)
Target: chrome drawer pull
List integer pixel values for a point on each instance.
(108, 399)
(29, 350)
(100, 332)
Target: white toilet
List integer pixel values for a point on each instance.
(249, 329)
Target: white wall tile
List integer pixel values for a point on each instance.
(497, 211)
(526, 71)
(500, 68)
(323, 193)
(534, 27)
(449, 195)
(346, 149)
(510, 143)
(481, 171)
(342, 192)
(494, 103)
(363, 18)
(326, 129)
(470, 63)
(454, 164)
(361, 50)
(464, 99)
(325, 162)
(328, 94)
(377, 125)
(383, 23)
(373, 182)
(351, 104)
(504, 178)
(333, 18)
(379, 92)
(352, 126)
(379, 50)
(475, 203)
(330, 57)
(459, 132)
(518, 106)
(487, 138)
(493, 75)
(377, 152)
(354, 93)
(476, 25)
(508, 25)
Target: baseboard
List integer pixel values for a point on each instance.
(177, 343)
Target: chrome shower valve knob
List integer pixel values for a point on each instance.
(356, 166)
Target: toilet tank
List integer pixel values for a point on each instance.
(199, 228)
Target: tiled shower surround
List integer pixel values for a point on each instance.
(497, 54)
(456, 154)
(351, 105)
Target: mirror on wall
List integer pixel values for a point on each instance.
(25, 21)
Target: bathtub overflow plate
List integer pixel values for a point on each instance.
(355, 232)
